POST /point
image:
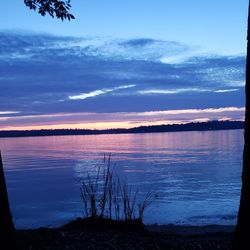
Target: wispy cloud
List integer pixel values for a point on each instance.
(236, 83)
(193, 111)
(99, 92)
(8, 112)
(183, 90)
(172, 91)
(140, 49)
(225, 90)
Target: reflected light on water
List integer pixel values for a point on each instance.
(196, 175)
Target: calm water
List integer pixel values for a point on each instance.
(195, 174)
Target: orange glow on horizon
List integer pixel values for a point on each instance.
(116, 120)
(93, 126)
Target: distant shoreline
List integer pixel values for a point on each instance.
(199, 126)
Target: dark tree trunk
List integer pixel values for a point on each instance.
(242, 231)
(7, 228)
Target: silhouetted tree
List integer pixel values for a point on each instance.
(6, 224)
(242, 232)
(54, 8)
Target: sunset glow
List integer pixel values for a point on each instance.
(118, 120)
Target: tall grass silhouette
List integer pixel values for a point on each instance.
(106, 196)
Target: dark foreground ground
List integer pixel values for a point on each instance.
(78, 236)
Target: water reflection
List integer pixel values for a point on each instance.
(195, 174)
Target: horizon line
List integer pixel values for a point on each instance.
(124, 129)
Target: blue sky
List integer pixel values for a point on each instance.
(122, 64)
(216, 26)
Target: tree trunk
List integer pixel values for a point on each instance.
(242, 232)
(6, 224)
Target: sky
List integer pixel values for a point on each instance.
(122, 64)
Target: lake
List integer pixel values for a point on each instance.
(196, 175)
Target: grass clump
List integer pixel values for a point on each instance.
(106, 197)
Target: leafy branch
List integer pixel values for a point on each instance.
(54, 8)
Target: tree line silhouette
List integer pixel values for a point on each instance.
(193, 126)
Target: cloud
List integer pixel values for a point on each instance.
(225, 90)
(182, 90)
(171, 91)
(38, 71)
(3, 113)
(194, 111)
(140, 42)
(140, 49)
(99, 92)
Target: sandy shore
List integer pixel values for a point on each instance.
(190, 230)
(152, 237)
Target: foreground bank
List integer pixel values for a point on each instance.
(79, 236)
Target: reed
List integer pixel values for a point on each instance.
(106, 196)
